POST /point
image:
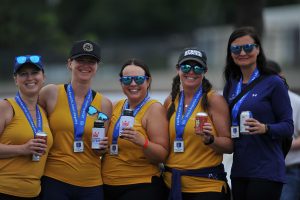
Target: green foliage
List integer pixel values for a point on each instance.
(49, 26)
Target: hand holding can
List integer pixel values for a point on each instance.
(200, 119)
(98, 134)
(243, 117)
(40, 135)
(126, 120)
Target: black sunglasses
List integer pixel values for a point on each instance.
(237, 49)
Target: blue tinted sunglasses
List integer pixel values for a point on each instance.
(139, 80)
(33, 59)
(236, 49)
(186, 68)
(101, 116)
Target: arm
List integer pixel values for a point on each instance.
(48, 97)
(9, 150)
(295, 144)
(282, 125)
(219, 113)
(157, 130)
(156, 146)
(106, 107)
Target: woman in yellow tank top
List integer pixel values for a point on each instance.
(21, 119)
(194, 167)
(73, 169)
(130, 169)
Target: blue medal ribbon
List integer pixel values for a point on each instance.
(238, 89)
(180, 121)
(35, 128)
(135, 112)
(78, 121)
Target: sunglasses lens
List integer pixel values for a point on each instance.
(92, 110)
(248, 47)
(198, 69)
(126, 80)
(139, 79)
(34, 59)
(102, 116)
(185, 68)
(236, 49)
(21, 59)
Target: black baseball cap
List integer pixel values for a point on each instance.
(193, 53)
(85, 48)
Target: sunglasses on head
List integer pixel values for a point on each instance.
(101, 116)
(198, 69)
(139, 80)
(33, 59)
(237, 49)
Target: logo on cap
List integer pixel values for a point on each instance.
(193, 52)
(87, 47)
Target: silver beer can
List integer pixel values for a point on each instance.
(243, 117)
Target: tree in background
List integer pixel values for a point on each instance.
(249, 13)
(49, 26)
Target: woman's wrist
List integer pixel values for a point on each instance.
(146, 143)
(266, 128)
(210, 141)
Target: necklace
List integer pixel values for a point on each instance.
(186, 105)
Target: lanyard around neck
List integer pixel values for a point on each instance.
(35, 128)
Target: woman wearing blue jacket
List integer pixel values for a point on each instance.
(258, 169)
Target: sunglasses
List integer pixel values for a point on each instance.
(236, 49)
(23, 59)
(196, 68)
(139, 80)
(101, 116)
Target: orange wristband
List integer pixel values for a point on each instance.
(146, 143)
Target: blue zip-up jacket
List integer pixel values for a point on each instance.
(260, 155)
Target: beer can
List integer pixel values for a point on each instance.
(39, 135)
(200, 119)
(243, 117)
(98, 133)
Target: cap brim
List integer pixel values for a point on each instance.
(17, 67)
(192, 58)
(84, 54)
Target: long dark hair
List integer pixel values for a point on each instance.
(206, 87)
(232, 70)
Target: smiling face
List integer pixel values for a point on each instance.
(135, 92)
(190, 80)
(245, 59)
(29, 79)
(83, 68)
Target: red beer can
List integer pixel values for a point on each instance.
(201, 118)
(39, 135)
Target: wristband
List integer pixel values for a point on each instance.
(146, 143)
(211, 140)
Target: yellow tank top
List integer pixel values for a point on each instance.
(20, 176)
(196, 155)
(130, 166)
(80, 169)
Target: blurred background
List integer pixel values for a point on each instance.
(152, 30)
